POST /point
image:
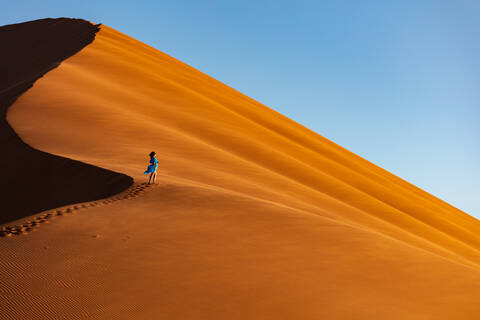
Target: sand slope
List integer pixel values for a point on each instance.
(29, 50)
(254, 216)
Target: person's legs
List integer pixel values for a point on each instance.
(150, 178)
(155, 177)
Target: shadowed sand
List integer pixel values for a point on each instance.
(254, 216)
(33, 180)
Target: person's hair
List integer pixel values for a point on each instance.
(152, 154)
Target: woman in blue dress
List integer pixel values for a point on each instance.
(152, 168)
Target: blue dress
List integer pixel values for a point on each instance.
(153, 167)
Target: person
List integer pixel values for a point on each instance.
(152, 168)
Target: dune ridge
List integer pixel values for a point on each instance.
(254, 216)
(30, 50)
(32, 223)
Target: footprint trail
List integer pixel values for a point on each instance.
(34, 222)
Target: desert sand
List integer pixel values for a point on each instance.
(253, 215)
(29, 50)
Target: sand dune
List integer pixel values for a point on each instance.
(254, 215)
(29, 50)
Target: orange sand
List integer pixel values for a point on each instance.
(254, 216)
(33, 180)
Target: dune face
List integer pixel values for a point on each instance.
(29, 50)
(253, 217)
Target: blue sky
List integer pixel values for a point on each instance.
(396, 82)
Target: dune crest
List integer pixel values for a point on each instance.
(30, 50)
(254, 216)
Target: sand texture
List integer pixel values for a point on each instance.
(253, 217)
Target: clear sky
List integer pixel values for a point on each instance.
(396, 82)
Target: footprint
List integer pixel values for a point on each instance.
(35, 222)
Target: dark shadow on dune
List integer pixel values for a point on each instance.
(32, 180)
